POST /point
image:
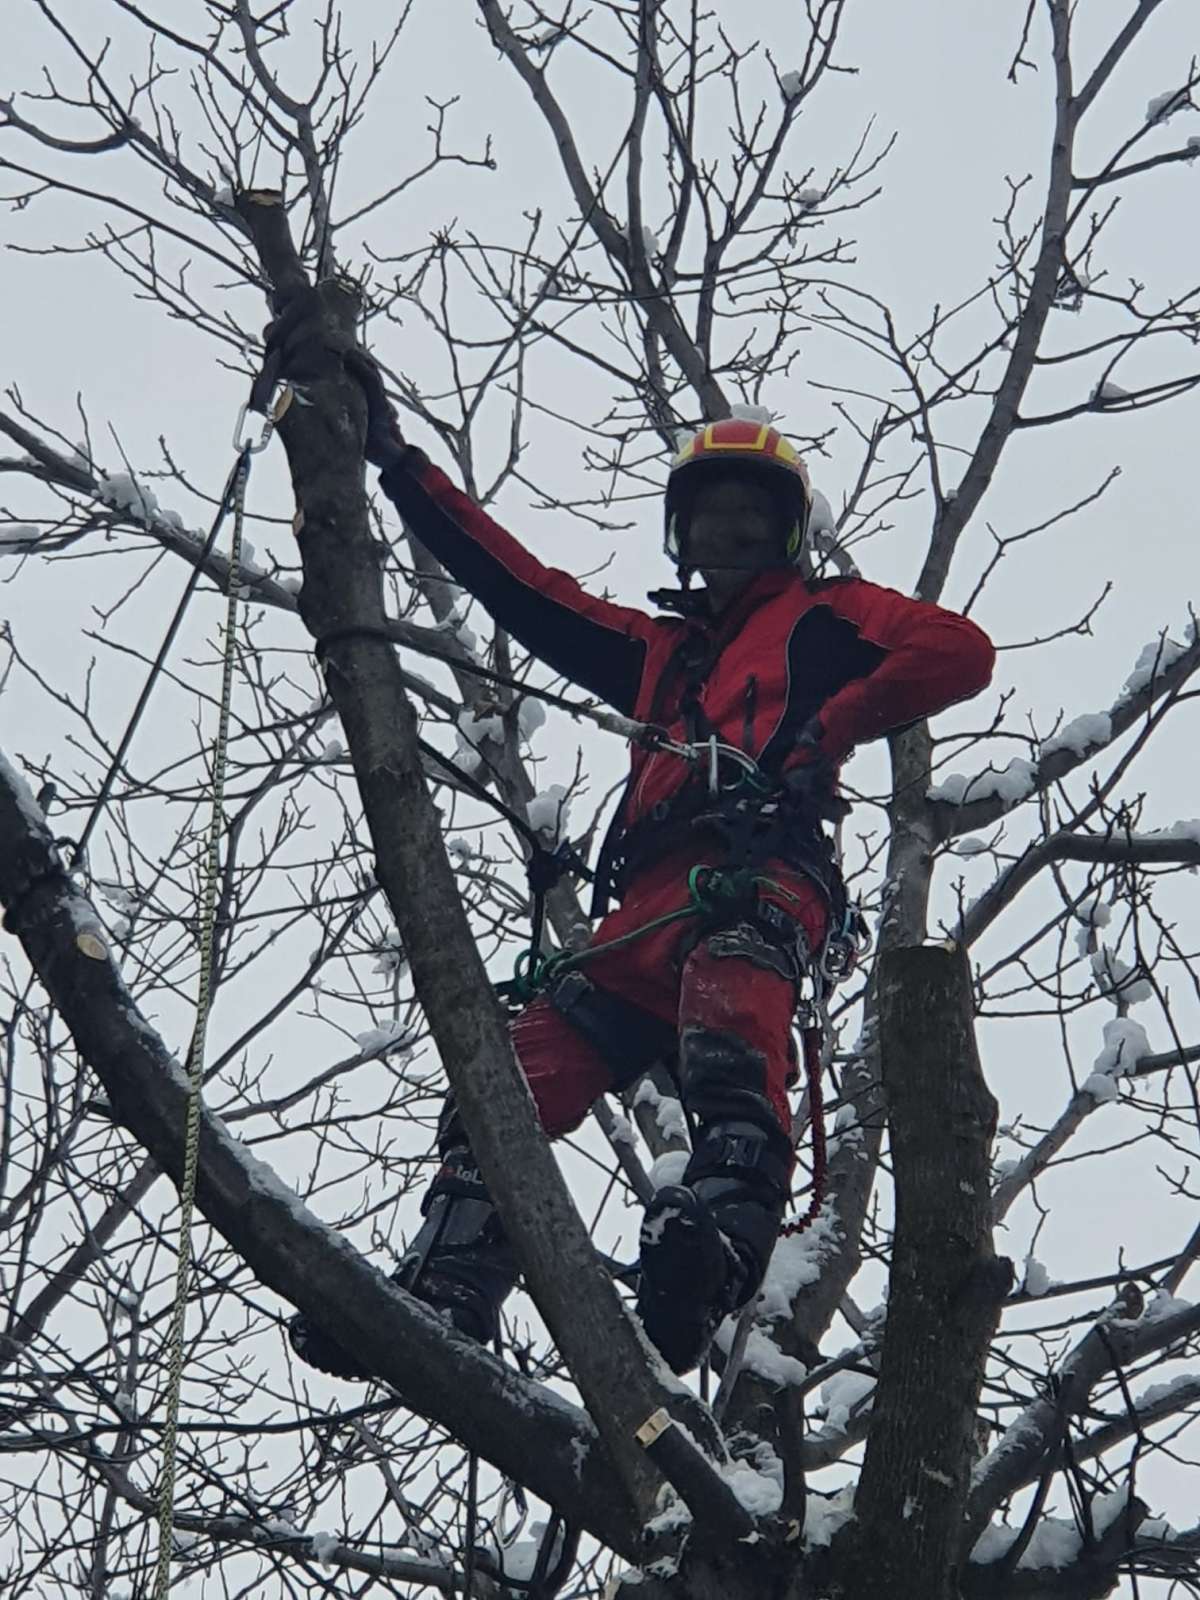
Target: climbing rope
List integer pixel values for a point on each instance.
(211, 873)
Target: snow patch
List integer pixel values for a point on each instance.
(1151, 663)
(760, 1492)
(822, 524)
(324, 1549)
(1100, 1087)
(1178, 832)
(668, 1112)
(475, 727)
(825, 1514)
(531, 715)
(1161, 1304)
(761, 1355)
(971, 847)
(392, 1036)
(797, 1261)
(123, 492)
(1125, 1043)
(841, 1395)
(1093, 912)
(1158, 1392)
(519, 1560)
(1117, 979)
(548, 812)
(390, 957)
(1083, 733)
(744, 412)
(1056, 1542)
(1037, 1279)
(1014, 784)
(669, 1168)
(16, 538)
(1164, 106)
(1108, 391)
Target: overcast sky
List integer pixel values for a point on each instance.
(934, 73)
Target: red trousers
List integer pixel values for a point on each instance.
(703, 986)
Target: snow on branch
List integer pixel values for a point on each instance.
(1115, 1338)
(533, 1435)
(1125, 1054)
(964, 803)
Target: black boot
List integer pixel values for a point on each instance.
(706, 1242)
(460, 1263)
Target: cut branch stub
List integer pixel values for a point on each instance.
(946, 1282)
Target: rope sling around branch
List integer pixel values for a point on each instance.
(211, 878)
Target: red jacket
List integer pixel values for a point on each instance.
(864, 658)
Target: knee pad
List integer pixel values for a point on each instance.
(722, 1078)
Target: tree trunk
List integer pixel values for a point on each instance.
(342, 605)
(946, 1283)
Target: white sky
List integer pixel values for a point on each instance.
(933, 71)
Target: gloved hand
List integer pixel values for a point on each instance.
(811, 785)
(305, 343)
(384, 443)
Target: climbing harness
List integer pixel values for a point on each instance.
(246, 450)
(731, 796)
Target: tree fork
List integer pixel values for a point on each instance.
(343, 595)
(945, 1287)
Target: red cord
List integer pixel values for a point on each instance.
(816, 1109)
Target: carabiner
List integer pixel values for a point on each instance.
(248, 445)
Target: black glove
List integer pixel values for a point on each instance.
(384, 443)
(306, 343)
(811, 785)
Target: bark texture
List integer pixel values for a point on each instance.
(946, 1284)
(525, 1429)
(342, 604)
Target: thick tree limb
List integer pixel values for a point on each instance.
(525, 1430)
(343, 595)
(946, 1283)
(1139, 849)
(954, 513)
(1020, 1456)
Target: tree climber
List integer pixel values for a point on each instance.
(790, 672)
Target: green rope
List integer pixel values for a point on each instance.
(208, 917)
(710, 890)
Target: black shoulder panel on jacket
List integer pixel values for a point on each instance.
(825, 651)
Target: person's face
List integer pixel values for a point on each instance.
(733, 533)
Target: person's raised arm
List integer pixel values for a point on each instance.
(595, 643)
